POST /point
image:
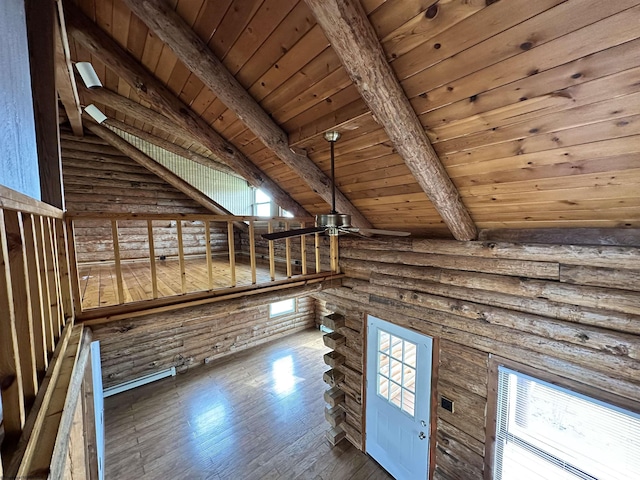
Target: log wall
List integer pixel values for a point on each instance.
(98, 178)
(567, 310)
(192, 336)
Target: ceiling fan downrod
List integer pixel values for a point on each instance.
(332, 137)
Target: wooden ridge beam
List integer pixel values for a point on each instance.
(150, 89)
(197, 57)
(354, 40)
(170, 147)
(154, 167)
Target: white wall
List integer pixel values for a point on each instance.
(18, 154)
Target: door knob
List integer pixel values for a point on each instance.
(422, 436)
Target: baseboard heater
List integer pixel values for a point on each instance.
(138, 382)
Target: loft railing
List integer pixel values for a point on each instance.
(127, 262)
(37, 334)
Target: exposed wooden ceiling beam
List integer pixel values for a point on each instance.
(157, 169)
(149, 88)
(135, 110)
(170, 147)
(354, 40)
(145, 115)
(65, 80)
(196, 55)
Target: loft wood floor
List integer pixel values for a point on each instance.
(98, 284)
(258, 415)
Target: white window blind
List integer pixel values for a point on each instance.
(544, 431)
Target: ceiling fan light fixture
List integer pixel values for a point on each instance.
(331, 136)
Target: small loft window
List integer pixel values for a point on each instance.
(545, 431)
(284, 213)
(282, 307)
(262, 205)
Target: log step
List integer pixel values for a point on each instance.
(333, 339)
(333, 321)
(335, 435)
(334, 396)
(334, 415)
(333, 359)
(333, 377)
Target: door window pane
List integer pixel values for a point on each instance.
(396, 371)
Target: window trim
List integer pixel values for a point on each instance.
(492, 400)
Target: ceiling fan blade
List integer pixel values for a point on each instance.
(375, 231)
(292, 233)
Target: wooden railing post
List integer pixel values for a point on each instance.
(116, 257)
(13, 409)
(252, 251)
(152, 259)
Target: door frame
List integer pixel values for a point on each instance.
(433, 405)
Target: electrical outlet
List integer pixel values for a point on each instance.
(446, 403)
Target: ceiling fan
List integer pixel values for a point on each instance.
(332, 223)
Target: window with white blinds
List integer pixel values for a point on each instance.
(544, 431)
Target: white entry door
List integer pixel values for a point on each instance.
(398, 399)
(98, 405)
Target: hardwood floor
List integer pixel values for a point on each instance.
(257, 415)
(98, 281)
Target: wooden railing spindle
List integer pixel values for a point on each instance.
(252, 252)
(47, 238)
(73, 265)
(272, 260)
(207, 236)
(13, 408)
(48, 311)
(35, 288)
(317, 245)
(232, 253)
(287, 251)
(21, 303)
(152, 260)
(303, 251)
(116, 257)
(183, 273)
(64, 267)
(57, 275)
(333, 246)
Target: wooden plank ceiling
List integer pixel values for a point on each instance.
(532, 107)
